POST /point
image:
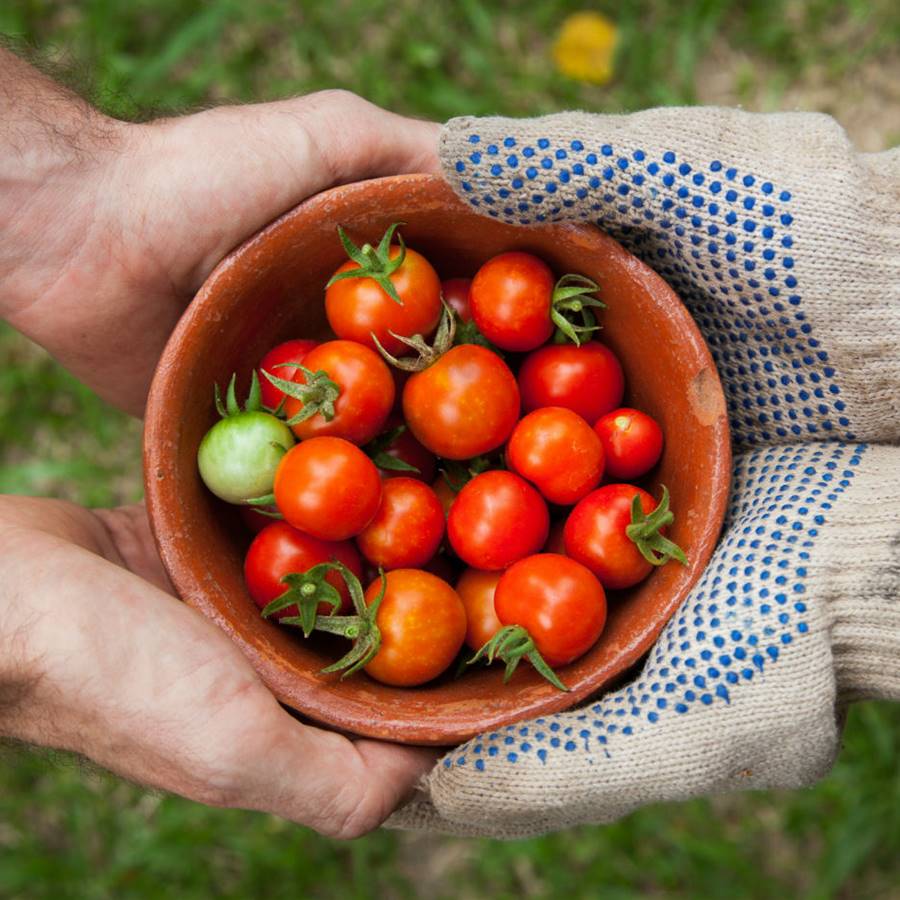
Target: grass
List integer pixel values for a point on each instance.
(69, 831)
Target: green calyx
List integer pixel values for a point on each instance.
(374, 262)
(376, 450)
(231, 407)
(359, 628)
(510, 644)
(572, 306)
(427, 354)
(306, 590)
(644, 531)
(318, 394)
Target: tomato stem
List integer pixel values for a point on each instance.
(374, 262)
(644, 531)
(510, 644)
(307, 590)
(427, 354)
(572, 294)
(231, 407)
(318, 394)
(360, 628)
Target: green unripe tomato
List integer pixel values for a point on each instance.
(238, 456)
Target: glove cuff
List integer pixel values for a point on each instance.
(861, 584)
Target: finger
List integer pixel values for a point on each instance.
(321, 779)
(355, 139)
(230, 171)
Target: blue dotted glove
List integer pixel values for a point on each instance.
(785, 246)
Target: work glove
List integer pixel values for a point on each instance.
(784, 244)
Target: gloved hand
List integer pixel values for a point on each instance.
(785, 246)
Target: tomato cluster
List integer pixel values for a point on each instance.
(466, 432)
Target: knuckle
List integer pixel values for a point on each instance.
(331, 99)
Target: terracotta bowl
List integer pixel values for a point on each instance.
(271, 289)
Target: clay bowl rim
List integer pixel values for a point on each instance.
(164, 514)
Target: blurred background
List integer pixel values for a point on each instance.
(67, 830)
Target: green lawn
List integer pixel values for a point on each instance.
(67, 831)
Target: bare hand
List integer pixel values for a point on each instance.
(110, 235)
(106, 231)
(105, 662)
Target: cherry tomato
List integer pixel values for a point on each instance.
(408, 527)
(586, 379)
(366, 393)
(560, 603)
(357, 307)
(403, 447)
(476, 590)
(456, 295)
(559, 452)
(595, 535)
(279, 550)
(289, 351)
(422, 623)
(511, 298)
(328, 488)
(496, 519)
(463, 405)
(632, 442)
(239, 455)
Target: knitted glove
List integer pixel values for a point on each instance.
(785, 246)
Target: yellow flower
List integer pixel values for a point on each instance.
(585, 46)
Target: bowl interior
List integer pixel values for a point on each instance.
(271, 289)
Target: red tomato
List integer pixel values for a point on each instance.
(463, 405)
(557, 600)
(279, 550)
(366, 393)
(586, 379)
(456, 295)
(328, 488)
(357, 307)
(595, 535)
(407, 449)
(496, 519)
(422, 624)
(476, 590)
(511, 299)
(408, 527)
(289, 351)
(632, 441)
(559, 452)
